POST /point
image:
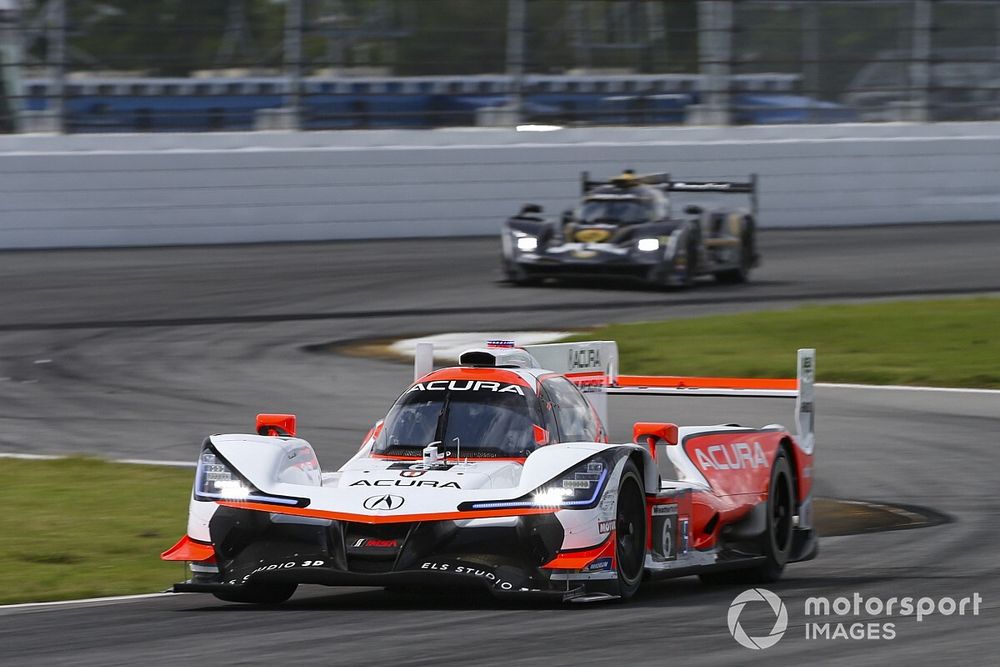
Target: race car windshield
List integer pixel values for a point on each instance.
(627, 212)
(488, 420)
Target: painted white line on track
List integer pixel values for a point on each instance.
(85, 601)
(32, 457)
(901, 387)
(140, 462)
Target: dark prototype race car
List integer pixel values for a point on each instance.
(627, 227)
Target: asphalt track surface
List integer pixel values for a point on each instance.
(139, 353)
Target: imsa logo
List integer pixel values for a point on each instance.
(735, 456)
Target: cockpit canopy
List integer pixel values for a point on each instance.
(469, 417)
(618, 206)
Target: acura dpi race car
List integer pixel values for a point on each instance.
(498, 473)
(627, 227)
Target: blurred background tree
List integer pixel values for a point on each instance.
(405, 37)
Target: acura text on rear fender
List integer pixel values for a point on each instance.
(735, 456)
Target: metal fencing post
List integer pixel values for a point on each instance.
(294, 17)
(516, 27)
(11, 58)
(56, 51)
(920, 61)
(810, 50)
(715, 33)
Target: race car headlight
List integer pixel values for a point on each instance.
(216, 480)
(579, 487)
(648, 245)
(527, 243)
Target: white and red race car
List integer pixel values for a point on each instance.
(498, 473)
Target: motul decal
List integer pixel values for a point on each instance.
(735, 456)
(375, 544)
(467, 385)
(408, 482)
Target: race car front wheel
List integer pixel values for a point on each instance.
(679, 270)
(515, 275)
(630, 531)
(259, 594)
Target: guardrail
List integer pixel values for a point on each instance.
(88, 190)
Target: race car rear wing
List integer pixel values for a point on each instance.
(734, 187)
(801, 388)
(667, 184)
(593, 367)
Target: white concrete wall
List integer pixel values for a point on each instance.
(104, 190)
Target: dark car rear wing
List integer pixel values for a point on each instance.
(661, 180)
(667, 184)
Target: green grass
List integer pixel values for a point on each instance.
(946, 343)
(75, 528)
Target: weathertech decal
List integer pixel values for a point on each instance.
(467, 385)
(735, 456)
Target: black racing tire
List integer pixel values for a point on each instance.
(741, 274)
(665, 276)
(776, 543)
(269, 594)
(515, 275)
(630, 531)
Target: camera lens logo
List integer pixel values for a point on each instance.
(776, 605)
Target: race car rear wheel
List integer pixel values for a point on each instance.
(776, 542)
(742, 272)
(259, 594)
(630, 531)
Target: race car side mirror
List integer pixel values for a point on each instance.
(373, 432)
(541, 435)
(278, 425)
(693, 209)
(648, 433)
(665, 432)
